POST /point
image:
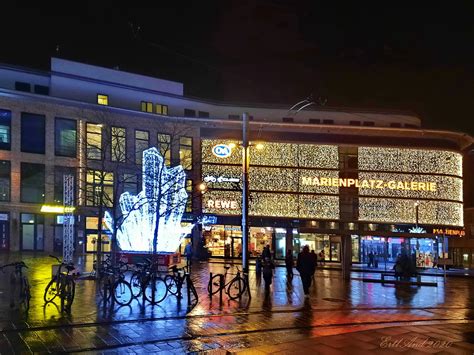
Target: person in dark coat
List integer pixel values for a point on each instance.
(267, 272)
(315, 260)
(305, 266)
(289, 263)
(266, 252)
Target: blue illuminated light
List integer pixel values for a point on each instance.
(139, 211)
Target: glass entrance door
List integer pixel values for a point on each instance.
(32, 231)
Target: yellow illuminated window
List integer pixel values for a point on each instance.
(164, 146)
(94, 141)
(186, 152)
(102, 99)
(162, 109)
(146, 106)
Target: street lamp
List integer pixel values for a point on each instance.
(245, 192)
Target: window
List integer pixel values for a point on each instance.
(99, 188)
(203, 114)
(32, 133)
(103, 99)
(354, 123)
(5, 180)
(161, 109)
(146, 106)
(189, 113)
(287, 119)
(65, 132)
(408, 125)
(141, 143)
(234, 117)
(41, 89)
(395, 124)
(5, 129)
(186, 152)
(32, 183)
(328, 121)
(164, 147)
(130, 183)
(369, 123)
(94, 141)
(314, 120)
(21, 86)
(59, 172)
(119, 144)
(189, 190)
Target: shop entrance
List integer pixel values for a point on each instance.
(329, 244)
(32, 231)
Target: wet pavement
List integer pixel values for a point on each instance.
(283, 316)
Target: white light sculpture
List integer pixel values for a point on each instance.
(160, 185)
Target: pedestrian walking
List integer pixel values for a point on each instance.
(371, 259)
(315, 261)
(305, 266)
(289, 263)
(266, 252)
(376, 260)
(188, 252)
(258, 267)
(267, 272)
(321, 257)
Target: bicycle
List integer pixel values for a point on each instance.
(17, 277)
(112, 282)
(150, 285)
(235, 288)
(62, 284)
(174, 283)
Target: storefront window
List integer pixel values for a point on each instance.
(355, 248)
(259, 238)
(223, 240)
(425, 251)
(280, 243)
(92, 236)
(317, 242)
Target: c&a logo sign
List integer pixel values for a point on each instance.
(221, 151)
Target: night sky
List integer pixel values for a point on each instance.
(377, 55)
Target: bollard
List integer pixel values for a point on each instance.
(221, 287)
(210, 284)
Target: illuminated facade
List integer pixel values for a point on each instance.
(326, 177)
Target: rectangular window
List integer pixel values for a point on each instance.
(189, 190)
(32, 183)
(142, 142)
(5, 129)
(59, 172)
(99, 188)
(130, 183)
(369, 123)
(164, 147)
(94, 141)
(186, 152)
(32, 133)
(103, 99)
(354, 123)
(21, 86)
(146, 106)
(314, 121)
(234, 117)
(119, 144)
(41, 89)
(65, 132)
(189, 113)
(328, 121)
(162, 109)
(395, 124)
(288, 119)
(203, 114)
(408, 125)
(5, 180)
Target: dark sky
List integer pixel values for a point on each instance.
(378, 54)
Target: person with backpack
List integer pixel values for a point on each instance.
(305, 266)
(267, 271)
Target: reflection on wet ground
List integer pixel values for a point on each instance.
(332, 302)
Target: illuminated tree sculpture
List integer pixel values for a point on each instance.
(152, 218)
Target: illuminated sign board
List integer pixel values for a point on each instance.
(370, 184)
(222, 150)
(448, 231)
(222, 204)
(211, 178)
(56, 209)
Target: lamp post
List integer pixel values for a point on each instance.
(245, 192)
(417, 204)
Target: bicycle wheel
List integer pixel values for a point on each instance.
(123, 293)
(215, 284)
(136, 284)
(172, 284)
(69, 292)
(156, 290)
(105, 286)
(51, 290)
(26, 294)
(236, 288)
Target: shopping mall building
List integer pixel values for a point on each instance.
(348, 182)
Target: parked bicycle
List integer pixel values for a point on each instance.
(113, 286)
(235, 288)
(148, 283)
(19, 285)
(62, 284)
(175, 281)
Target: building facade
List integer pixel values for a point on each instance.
(325, 177)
